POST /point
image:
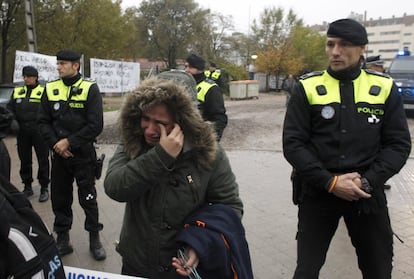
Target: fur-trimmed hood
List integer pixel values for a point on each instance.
(199, 135)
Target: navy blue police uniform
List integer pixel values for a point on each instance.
(72, 108)
(336, 123)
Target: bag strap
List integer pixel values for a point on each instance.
(16, 198)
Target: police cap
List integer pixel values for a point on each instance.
(350, 30)
(374, 60)
(30, 71)
(196, 61)
(68, 55)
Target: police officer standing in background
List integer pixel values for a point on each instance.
(24, 104)
(215, 75)
(209, 95)
(345, 134)
(375, 63)
(70, 119)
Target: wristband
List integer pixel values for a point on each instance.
(333, 184)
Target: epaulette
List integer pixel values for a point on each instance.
(53, 80)
(368, 71)
(311, 74)
(88, 79)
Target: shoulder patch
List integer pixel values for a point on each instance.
(312, 74)
(371, 72)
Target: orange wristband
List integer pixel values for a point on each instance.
(333, 184)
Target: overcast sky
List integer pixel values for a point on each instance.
(312, 12)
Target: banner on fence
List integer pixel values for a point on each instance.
(45, 65)
(115, 76)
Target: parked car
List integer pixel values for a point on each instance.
(6, 90)
(402, 71)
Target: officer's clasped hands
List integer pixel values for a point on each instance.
(62, 148)
(349, 187)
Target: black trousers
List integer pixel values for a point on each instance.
(64, 172)
(370, 234)
(27, 139)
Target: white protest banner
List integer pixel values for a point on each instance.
(80, 273)
(115, 76)
(45, 65)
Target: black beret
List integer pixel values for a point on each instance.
(374, 60)
(68, 55)
(212, 64)
(30, 71)
(196, 61)
(350, 30)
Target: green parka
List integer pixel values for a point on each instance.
(159, 190)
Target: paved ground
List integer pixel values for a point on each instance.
(270, 219)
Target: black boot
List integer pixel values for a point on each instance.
(63, 245)
(95, 246)
(28, 191)
(44, 194)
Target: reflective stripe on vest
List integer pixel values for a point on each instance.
(25, 247)
(362, 87)
(202, 89)
(58, 91)
(19, 92)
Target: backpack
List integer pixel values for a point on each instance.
(184, 78)
(28, 250)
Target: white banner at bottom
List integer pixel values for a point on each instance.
(80, 273)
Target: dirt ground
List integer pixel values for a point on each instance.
(253, 123)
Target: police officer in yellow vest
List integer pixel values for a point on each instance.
(345, 133)
(24, 104)
(209, 95)
(70, 119)
(213, 73)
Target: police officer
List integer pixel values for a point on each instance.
(213, 73)
(209, 96)
(375, 63)
(345, 133)
(24, 104)
(70, 119)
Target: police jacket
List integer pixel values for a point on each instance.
(71, 108)
(24, 104)
(339, 122)
(159, 190)
(211, 103)
(217, 235)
